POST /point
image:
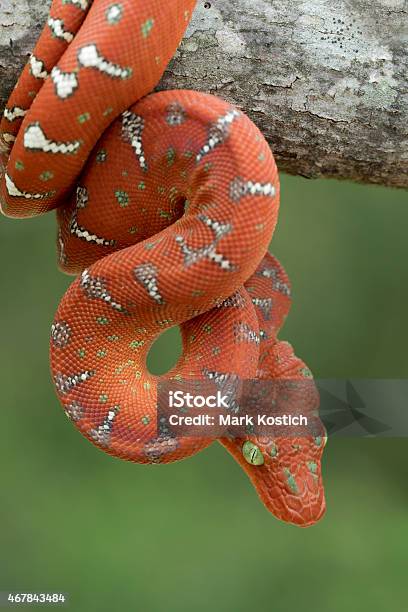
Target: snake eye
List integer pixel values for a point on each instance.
(252, 454)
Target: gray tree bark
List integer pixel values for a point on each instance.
(325, 80)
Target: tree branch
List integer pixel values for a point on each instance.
(326, 82)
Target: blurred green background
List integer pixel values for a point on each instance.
(193, 535)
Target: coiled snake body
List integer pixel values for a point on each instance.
(166, 205)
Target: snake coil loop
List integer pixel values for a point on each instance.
(166, 204)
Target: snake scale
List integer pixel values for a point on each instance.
(166, 204)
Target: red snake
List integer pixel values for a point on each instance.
(166, 204)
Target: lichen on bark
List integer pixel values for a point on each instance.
(326, 82)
